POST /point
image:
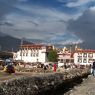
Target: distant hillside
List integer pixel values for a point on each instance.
(8, 43)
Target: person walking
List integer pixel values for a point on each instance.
(45, 68)
(93, 67)
(54, 67)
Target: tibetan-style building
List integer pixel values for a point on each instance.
(84, 57)
(33, 53)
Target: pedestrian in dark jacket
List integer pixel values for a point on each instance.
(45, 68)
(93, 67)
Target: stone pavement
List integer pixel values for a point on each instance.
(87, 87)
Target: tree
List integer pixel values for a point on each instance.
(52, 56)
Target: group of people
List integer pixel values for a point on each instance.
(54, 67)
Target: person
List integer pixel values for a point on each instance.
(65, 66)
(45, 68)
(9, 69)
(91, 70)
(54, 67)
(93, 67)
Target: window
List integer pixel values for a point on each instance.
(79, 54)
(79, 59)
(31, 54)
(26, 54)
(90, 61)
(34, 55)
(23, 53)
(37, 60)
(37, 54)
(61, 60)
(37, 50)
(90, 55)
(84, 60)
(33, 50)
(85, 55)
(67, 60)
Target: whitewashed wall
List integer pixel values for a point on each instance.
(40, 58)
(82, 63)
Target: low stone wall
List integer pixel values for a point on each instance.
(40, 84)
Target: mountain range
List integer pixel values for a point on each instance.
(9, 43)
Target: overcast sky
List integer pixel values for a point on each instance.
(55, 21)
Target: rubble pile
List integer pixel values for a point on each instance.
(40, 84)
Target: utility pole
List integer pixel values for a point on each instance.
(0, 47)
(21, 47)
(70, 51)
(12, 49)
(70, 48)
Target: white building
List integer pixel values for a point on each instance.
(33, 53)
(84, 57)
(78, 56)
(65, 56)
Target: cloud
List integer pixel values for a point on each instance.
(22, 0)
(84, 27)
(76, 3)
(44, 12)
(32, 27)
(47, 23)
(77, 7)
(79, 3)
(6, 23)
(51, 30)
(35, 22)
(65, 39)
(6, 6)
(71, 41)
(66, 1)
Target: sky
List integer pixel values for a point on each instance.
(59, 22)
